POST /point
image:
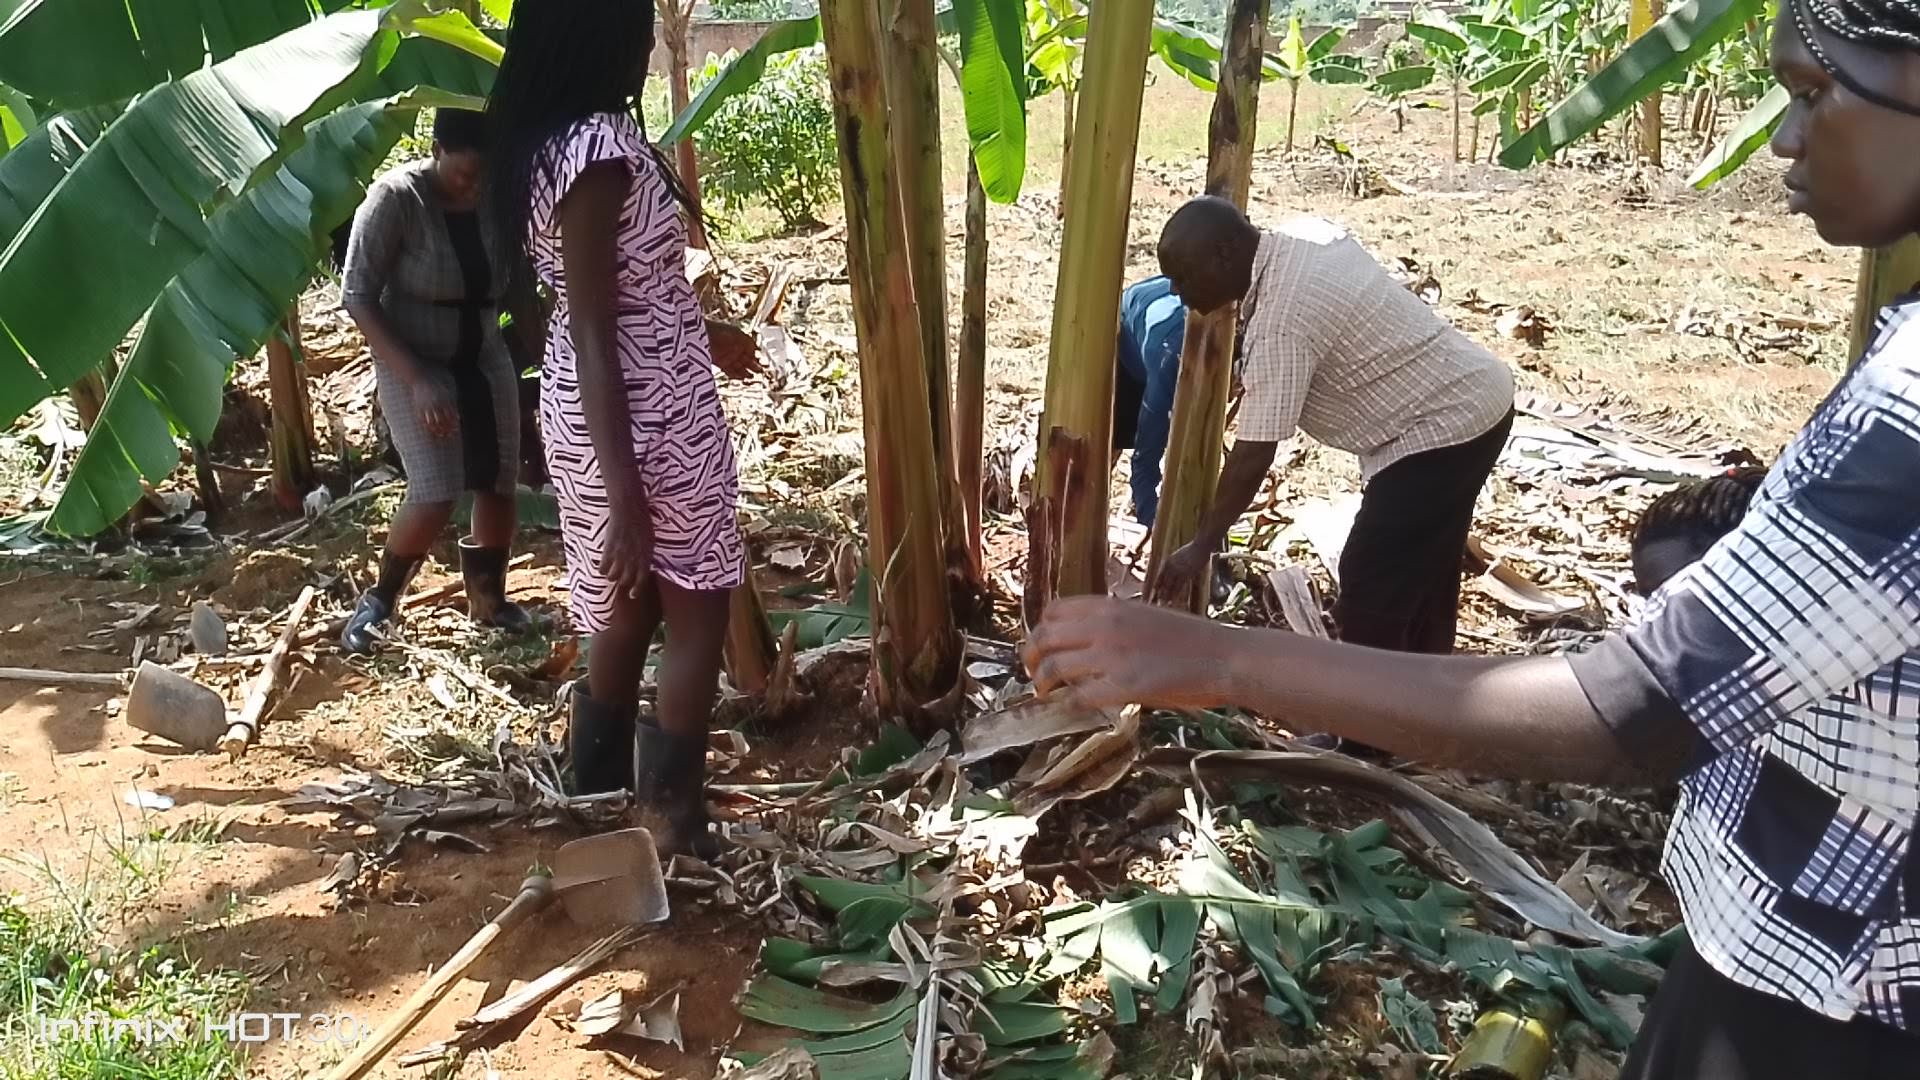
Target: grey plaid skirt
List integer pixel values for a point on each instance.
(438, 469)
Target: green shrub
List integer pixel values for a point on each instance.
(773, 145)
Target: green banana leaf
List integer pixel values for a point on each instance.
(74, 53)
(1404, 80)
(1434, 34)
(1323, 46)
(131, 214)
(1515, 76)
(1658, 57)
(31, 171)
(262, 250)
(17, 118)
(1749, 135)
(993, 91)
(1192, 53)
(1340, 71)
(448, 27)
(423, 62)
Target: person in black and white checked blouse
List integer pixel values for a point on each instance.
(1778, 677)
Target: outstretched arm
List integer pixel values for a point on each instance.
(1510, 716)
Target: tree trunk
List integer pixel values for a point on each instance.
(1066, 146)
(1194, 443)
(1473, 153)
(1456, 120)
(1293, 104)
(1076, 431)
(970, 383)
(913, 96)
(750, 649)
(1641, 15)
(207, 479)
(1885, 273)
(916, 649)
(676, 22)
(89, 395)
(292, 443)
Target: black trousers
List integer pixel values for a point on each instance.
(1400, 570)
(1703, 1026)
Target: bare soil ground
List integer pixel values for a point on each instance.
(1716, 308)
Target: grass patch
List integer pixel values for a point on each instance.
(74, 1006)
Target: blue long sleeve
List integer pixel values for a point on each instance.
(1166, 328)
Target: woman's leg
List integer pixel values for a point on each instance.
(483, 561)
(673, 754)
(600, 732)
(414, 529)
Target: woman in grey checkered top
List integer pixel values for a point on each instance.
(423, 280)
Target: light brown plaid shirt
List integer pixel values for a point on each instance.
(1336, 348)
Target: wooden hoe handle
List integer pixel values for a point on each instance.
(535, 893)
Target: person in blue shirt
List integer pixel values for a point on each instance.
(1153, 325)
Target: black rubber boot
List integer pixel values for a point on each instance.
(672, 782)
(485, 571)
(600, 744)
(376, 604)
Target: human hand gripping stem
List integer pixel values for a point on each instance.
(1106, 652)
(589, 219)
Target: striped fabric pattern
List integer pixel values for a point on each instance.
(681, 442)
(1791, 653)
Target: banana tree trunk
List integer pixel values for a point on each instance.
(970, 382)
(750, 650)
(676, 21)
(1066, 147)
(1885, 273)
(1076, 430)
(1456, 119)
(292, 440)
(916, 648)
(1293, 107)
(89, 395)
(1194, 444)
(1641, 15)
(913, 96)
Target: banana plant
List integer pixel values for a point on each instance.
(1446, 44)
(186, 193)
(1685, 36)
(1396, 81)
(1298, 62)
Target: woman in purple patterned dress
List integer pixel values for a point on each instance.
(637, 444)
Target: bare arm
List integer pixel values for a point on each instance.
(1509, 716)
(1240, 479)
(386, 345)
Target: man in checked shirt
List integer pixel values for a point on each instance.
(1333, 346)
(1778, 677)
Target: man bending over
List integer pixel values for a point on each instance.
(1333, 346)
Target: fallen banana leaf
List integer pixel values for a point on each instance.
(786, 1063)
(1411, 1018)
(1103, 760)
(773, 1000)
(624, 1012)
(1493, 866)
(1514, 589)
(1033, 721)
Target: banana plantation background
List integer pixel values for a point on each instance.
(927, 211)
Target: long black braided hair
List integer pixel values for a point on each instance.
(565, 61)
(1888, 25)
(1699, 513)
